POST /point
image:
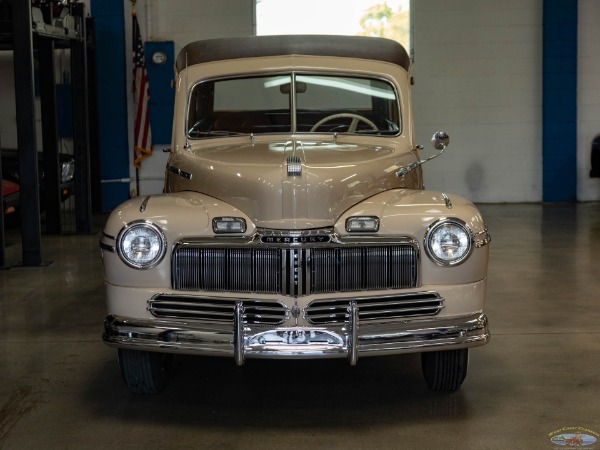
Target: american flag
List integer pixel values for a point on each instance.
(141, 94)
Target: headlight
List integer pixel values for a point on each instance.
(448, 242)
(362, 223)
(141, 245)
(229, 225)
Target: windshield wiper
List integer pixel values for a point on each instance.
(375, 132)
(215, 133)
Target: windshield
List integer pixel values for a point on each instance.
(293, 103)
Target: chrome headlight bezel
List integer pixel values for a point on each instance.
(123, 247)
(466, 239)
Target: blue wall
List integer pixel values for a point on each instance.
(114, 143)
(112, 100)
(559, 130)
(162, 94)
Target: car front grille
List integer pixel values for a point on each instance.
(333, 311)
(256, 312)
(294, 271)
(251, 270)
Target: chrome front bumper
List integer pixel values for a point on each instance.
(351, 340)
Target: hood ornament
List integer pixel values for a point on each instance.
(294, 166)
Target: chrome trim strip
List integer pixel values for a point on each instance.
(302, 235)
(222, 303)
(299, 277)
(330, 312)
(308, 273)
(482, 238)
(108, 248)
(285, 286)
(178, 171)
(353, 331)
(238, 336)
(179, 336)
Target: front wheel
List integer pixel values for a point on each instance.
(445, 370)
(144, 372)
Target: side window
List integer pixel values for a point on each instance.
(201, 109)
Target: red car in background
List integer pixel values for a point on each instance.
(12, 175)
(10, 196)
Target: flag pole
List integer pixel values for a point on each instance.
(137, 182)
(137, 170)
(142, 147)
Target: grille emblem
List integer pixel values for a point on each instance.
(294, 166)
(290, 239)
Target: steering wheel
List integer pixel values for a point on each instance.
(352, 127)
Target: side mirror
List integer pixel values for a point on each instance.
(440, 140)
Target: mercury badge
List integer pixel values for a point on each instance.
(291, 239)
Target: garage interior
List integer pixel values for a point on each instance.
(515, 85)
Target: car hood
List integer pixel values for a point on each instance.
(258, 179)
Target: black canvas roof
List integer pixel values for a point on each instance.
(318, 45)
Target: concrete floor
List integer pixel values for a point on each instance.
(60, 387)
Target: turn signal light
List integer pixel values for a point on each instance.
(229, 225)
(362, 224)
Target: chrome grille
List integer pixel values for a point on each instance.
(333, 311)
(216, 310)
(363, 268)
(295, 271)
(255, 270)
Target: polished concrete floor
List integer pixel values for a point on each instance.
(60, 387)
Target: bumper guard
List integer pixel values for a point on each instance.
(341, 341)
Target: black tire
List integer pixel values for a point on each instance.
(445, 371)
(144, 372)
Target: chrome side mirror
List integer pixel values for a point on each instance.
(440, 140)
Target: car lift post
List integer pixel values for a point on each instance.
(26, 139)
(2, 236)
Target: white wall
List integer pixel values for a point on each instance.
(478, 74)
(588, 97)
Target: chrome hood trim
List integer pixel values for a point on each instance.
(329, 177)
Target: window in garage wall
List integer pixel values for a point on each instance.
(382, 18)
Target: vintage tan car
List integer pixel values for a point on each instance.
(294, 221)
